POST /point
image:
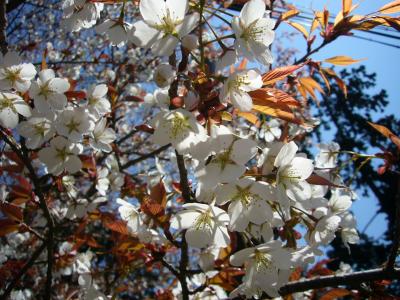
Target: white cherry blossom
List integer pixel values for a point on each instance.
(116, 30)
(14, 74)
(36, 130)
(248, 202)
(291, 176)
(48, 92)
(61, 155)
(327, 156)
(237, 86)
(230, 156)
(98, 105)
(78, 14)
(101, 137)
(178, 127)
(164, 24)
(270, 130)
(129, 214)
(164, 75)
(10, 106)
(205, 225)
(74, 123)
(266, 266)
(254, 32)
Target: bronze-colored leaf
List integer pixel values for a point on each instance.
(390, 8)
(387, 133)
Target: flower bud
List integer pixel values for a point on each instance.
(164, 75)
(190, 42)
(177, 102)
(191, 100)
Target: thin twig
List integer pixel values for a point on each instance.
(145, 156)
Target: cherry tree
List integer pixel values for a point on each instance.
(159, 149)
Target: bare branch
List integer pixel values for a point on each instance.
(352, 279)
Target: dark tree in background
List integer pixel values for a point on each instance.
(349, 128)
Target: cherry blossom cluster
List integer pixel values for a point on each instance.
(53, 120)
(252, 190)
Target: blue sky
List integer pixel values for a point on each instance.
(383, 60)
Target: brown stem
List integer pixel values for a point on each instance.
(352, 279)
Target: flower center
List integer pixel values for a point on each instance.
(263, 261)
(245, 196)
(62, 153)
(7, 103)
(252, 32)
(179, 125)
(45, 90)
(72, 126)
(203, 221)
(238, 82)
(40, 129)
(223, 159)
(13, 75)
(168, 24)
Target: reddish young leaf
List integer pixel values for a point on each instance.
(75, 95)
(12, 211)
(279, 73)
(335, 294)
(7, 226)
(387, 133)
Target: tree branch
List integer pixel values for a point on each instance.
(390, 265)
(184, 182)
(3, 27)
(353, 279)
(145, 156)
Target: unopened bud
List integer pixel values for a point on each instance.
(190, 42)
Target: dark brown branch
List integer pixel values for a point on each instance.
(183, 267)
(145, 156)
(3, 27)
(12, 4)
(390, 265)
(352, 279)
(184, 182)
(23, 270)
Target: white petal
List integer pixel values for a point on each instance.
(144, 35)
(152, 11)
(165, 46)
(241, 100)
(286, 154)
(251, 11)
(189, 23)
(59, 85)
(184, 219)
(177, 8)
(243, 150)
